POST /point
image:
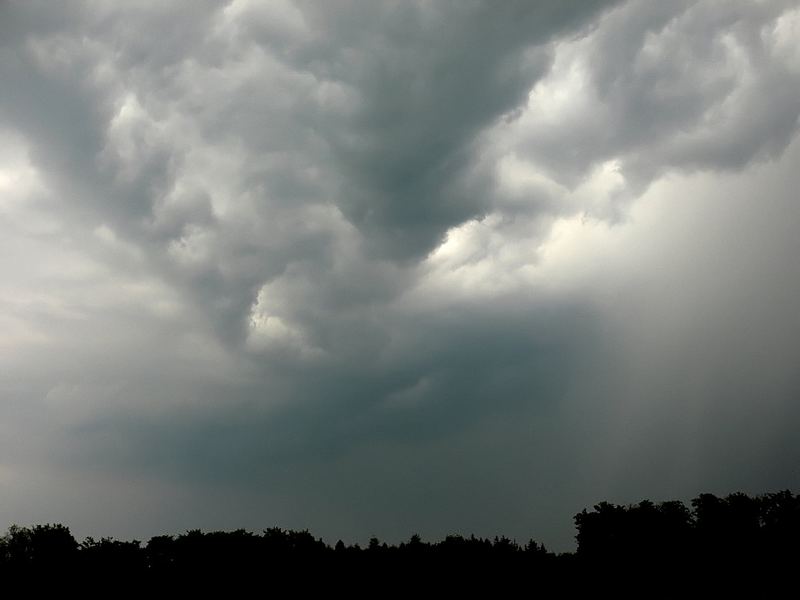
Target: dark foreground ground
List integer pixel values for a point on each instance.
(739, 546)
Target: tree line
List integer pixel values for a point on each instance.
(713, 535)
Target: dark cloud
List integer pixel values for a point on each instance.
(425, 87)
(380, 121)
(373, 268)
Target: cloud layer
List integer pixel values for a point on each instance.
(374, 268)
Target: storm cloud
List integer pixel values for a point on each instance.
(394, 267)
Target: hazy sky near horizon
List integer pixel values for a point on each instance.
(377, 268)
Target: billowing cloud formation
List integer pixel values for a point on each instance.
(384, 267)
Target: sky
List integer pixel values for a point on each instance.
(381, 268)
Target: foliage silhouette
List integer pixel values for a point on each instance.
(648, 543)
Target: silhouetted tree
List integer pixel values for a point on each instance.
(623, 549)
(45, 548)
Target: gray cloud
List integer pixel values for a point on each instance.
(661, 87)
(452, 69)
(385, 267)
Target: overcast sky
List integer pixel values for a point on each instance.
(377, 268)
